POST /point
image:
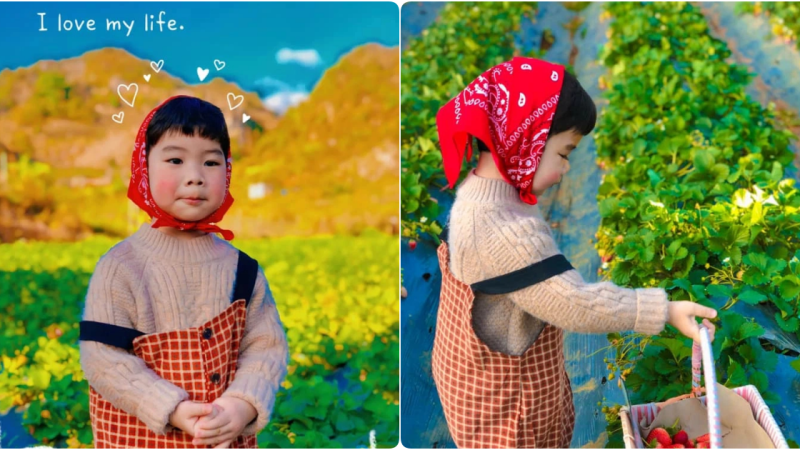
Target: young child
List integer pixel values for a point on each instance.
(508, 293)
(181, 340)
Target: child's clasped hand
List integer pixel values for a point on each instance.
(218, 423)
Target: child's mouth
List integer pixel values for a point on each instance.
(193, 201)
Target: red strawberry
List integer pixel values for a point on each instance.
(660, 435)
(676, 446)
(703, 438)
(703, 445)
(681, 438)
(690, 444)
(412, 245)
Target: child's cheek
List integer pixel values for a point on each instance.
(165, 187)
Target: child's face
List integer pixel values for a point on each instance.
(554, 163)
(187, 176)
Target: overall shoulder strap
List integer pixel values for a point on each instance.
(522, 278)
(246, 273)
(108, 334)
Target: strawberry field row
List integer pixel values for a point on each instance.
(694, 200)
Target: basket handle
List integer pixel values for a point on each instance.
(702, 358)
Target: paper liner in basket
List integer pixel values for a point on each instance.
(739, 428)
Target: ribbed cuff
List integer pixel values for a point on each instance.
(256, 389)
(160, 401)
(652, 310)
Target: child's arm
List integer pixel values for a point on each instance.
(120, 377)
(263, 356)
(566, 300)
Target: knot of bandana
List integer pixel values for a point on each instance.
(510, 107)
(139, 188)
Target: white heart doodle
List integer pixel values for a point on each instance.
(232, 97)
(202, 73)
(219, 64)
(157, 65)
(118, 117)
(147, 78)
(128, 89)
(245, 118)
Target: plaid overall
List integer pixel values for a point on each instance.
(491, 399)
(202, 360)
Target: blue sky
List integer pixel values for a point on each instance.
(279, 50)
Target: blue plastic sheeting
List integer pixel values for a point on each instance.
(776, 64)
(12, 433)
(573, 205)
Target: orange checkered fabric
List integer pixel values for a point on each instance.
(491, 399)
(202, 360)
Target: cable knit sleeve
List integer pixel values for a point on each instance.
(263, 356)
(119, 376)
(567, 300)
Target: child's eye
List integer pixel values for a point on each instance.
(174, 159)
(564, 156)
(212, 163)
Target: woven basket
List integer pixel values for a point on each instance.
(701, 361)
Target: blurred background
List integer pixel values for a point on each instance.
(315, 182)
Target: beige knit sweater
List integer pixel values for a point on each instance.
(492, 232)
(154, 282)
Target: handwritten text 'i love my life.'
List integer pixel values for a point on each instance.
(150, 24)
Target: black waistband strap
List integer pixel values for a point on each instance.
(122, 337)
(522, 278)
(108, 334)
(246, 273)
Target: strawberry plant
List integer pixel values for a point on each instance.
(694, 200)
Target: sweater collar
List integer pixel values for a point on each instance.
(497, 192)
(198, 249)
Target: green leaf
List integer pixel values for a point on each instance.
(758, 260)
(736, 375)
(750, 329)
(703, 161)
(751, 296)
(789, 289)
(791, 325)
(678, 349)
(719, 290)
(608, 206)
(756, 214)
(795, 364)
(344, 422)
(681, 283)
(759, 380)
(665, 367)
(755, 277)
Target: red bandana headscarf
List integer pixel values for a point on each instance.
(139, 188)
(510, 108)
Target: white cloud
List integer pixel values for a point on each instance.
(308, 58)
(281, 101)
(284, 95)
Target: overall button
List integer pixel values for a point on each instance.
(207, 333)
(215, 378)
